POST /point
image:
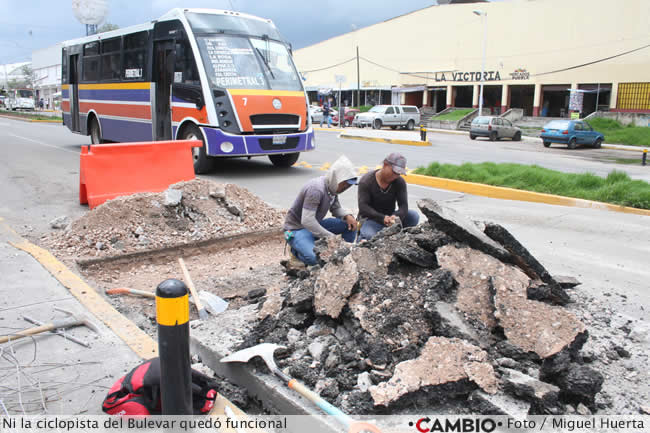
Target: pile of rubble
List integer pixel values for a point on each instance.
(452, 316)
(187, 212)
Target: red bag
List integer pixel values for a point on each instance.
(138, 392)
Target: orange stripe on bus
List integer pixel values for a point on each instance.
(137, 111)
(180, 113)
(247, 105)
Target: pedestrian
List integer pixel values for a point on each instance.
(331, 112)
(305, 221)
(326, 114)
(379, 191)
(40, 104)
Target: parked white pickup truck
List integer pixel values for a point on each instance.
(406, 116)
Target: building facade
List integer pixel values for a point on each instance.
(11, 72)
(547, 57)
(46, 64)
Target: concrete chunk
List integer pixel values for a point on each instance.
(499, 404)
(528, 388)
(460, 228)
(566, 282)
(472, 270)
(442, 360)
(495, 293)
(334, 285)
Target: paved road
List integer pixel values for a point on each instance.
(607, 251)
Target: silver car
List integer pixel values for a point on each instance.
(495, 128)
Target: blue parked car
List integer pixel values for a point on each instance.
(571, 133)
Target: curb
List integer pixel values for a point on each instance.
(516, 194)
(387, 140)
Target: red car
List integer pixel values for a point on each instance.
(348, 118)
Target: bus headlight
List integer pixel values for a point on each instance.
(313, 140)
(227, 147)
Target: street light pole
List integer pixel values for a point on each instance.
(483, 16)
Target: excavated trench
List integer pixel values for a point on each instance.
(452, 316)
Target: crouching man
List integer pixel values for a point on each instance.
(305, 221)
(379, 191)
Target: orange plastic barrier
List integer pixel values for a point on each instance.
(111, 170)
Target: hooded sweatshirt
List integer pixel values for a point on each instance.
(319, 196)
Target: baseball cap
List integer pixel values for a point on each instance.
(352, 181)
(397, 161)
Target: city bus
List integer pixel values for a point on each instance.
(225, 78)
(20, 99)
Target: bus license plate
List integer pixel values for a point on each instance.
(279, 139)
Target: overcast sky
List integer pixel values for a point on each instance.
(33, 24)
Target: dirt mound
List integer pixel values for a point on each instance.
(191, 211)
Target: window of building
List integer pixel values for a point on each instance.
(633, 96)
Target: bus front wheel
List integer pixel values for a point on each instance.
(286, 160)
(95, 132)
(202, 163)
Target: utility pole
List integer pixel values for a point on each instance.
(358, 81)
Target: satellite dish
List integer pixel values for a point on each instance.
(91, 12)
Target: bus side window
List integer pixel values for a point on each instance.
(185, 64)
(111, 59)
(135, 55)
(91, 62)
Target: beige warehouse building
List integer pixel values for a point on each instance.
(536, 51)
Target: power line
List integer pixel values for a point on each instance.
(591, 63)
(330, 67)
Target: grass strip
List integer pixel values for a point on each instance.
(617, 188)
(616, 133)
(29, 115)
(454, 115)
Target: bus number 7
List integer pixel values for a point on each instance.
(245, 101)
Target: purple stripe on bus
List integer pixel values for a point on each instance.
(215, 137)
(129, 95)
(65, 93)
(125, 130)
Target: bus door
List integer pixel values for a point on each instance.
(163, 72)
(74, 93)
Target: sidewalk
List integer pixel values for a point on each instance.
(47, 374)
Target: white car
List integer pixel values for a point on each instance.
(316, 114)
(405, 116)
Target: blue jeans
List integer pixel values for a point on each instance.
(369, 228)
(328, 119)
(302, 242)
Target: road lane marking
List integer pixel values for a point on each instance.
(20, 137)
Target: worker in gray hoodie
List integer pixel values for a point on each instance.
(305, 221)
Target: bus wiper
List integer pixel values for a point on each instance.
(265, 62)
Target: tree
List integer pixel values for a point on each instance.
(107, 27)
(27, 80)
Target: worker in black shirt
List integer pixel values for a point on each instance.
(379, 191)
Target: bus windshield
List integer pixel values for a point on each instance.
(213, 23)
(25, 93)
(247, 63)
